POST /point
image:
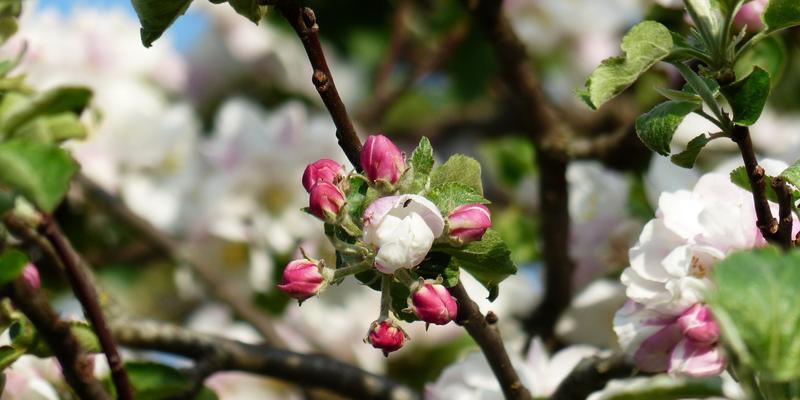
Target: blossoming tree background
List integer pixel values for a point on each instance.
(477, 199)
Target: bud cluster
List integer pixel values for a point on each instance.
(394, 235)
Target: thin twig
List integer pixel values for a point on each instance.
(591, 375)
(208, 273)
(304, 23)
(755, 173)
(784, 235)
(75, 365)
(488, 338)
(221, 354)
(85, 293)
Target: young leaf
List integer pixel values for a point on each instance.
(421, 163)
(249, 9)
(748, 96)
(9, 354)
(156, 16)
(657, 127)
(52, 129)
(756, 303)
(40, 172)
(739, 178)
(451, 195)
(459, 169)
(643, 46)
(488, 260)
(769, 54)
(687, 157)
(781, 14)
(156, 381)
(11, 264)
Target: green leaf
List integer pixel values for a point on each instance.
(770, 54)
(459, 169)
(8, 27)
(739, 178)
(18, 111)
(748, 96)
(12, 262)
(249, 9)
(156, 16)
(52, 129)
(657, 127)
(488, 260)
(86, 336)
(421, 165)
(154, 381)
(40, 172)
(687, 157)
(451, 195)
(643, 46)
(356, 195)
(662, 387)
(792, 174)
(756, 303)
(438, 265)
(781, 14)
(8, 355)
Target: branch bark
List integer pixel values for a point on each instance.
(591, 375)
(304, 23)
(77, 368)
(208, 273)
(87, 296)
(488, 338)
(217, 354)
(755, 173)
(784, 234)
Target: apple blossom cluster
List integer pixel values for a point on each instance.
(383, 229)
(666, 326)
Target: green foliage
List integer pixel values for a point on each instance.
(49, 129)
(438, 265)
(18, 110)
(663, 387)
(792, 174)
(739, 178)
(643, 46)
(520, 231)
(154, 381)
(657, 127)
(421, 162)
(12, 262)
(488, 260)
(781, 14)
(156, 16)
(249, 9)
(356, 198)
(40, 172)
(757, 305)
(509, 160)
(9, 354)
(451, 195)
(748, 96)
(769, 54)
(459, 169)
(687, 158)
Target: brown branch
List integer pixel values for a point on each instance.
(215, 354)
(77, 368)
(755, 173)
(784, 234)
(550, 136)
(591, 375)
(214, 281)
(488, 338)
(87, 295)
(305, 25)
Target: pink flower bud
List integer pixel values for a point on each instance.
(325, 201)
(382, 160)
(697, 324)
(433, 304)
(469, 222)
(302, 279)
(323, 170)
(387, 336)
(31, 276)
(750, 15)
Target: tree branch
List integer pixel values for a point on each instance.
(305, 25)
(488, 338)
(217, 354)
(591, 375)
(87, 296)
(784, 234)
(755, 173)
(215, 282)
(78, 370)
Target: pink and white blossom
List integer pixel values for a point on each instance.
(302, 279)
(382, 160)
(432, 303)
(325, 201)
(386, 335)
(468, 223)
(323, 170)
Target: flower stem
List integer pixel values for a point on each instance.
(386, 296)
(341, 273)
(404, 277)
